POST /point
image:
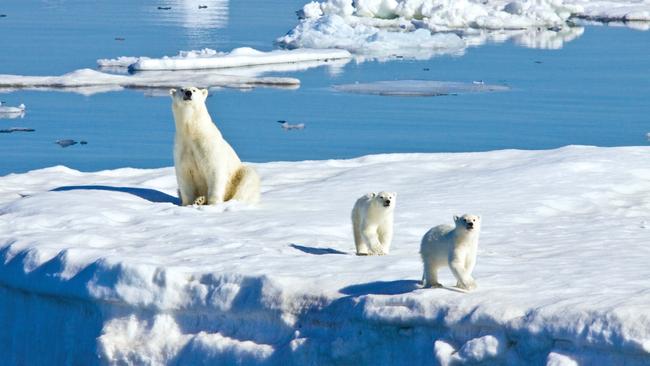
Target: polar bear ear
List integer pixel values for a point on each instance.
(456, 218)
(172, 92)
(204, 92)
(372, 194)
(394, 194)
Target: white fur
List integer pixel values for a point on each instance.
(207, 168)
(455, 247)
(372, 223)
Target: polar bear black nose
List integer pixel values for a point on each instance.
(470, 225)
(188, 93)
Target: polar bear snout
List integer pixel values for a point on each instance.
(187, 94)
(387, 203)
(469, 225)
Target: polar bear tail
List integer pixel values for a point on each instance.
(245, 185)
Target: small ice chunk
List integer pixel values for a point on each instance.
(288, 126)
(66, 142)
(17, 129)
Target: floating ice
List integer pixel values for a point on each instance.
(89, 81)
(16, 129)
(211, 59)
(7, 111)
(377, 28)
(419, 88)
(106, 266)
(291, 126)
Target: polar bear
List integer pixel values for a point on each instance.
(372, 223)
(455, 247)
(208, 170)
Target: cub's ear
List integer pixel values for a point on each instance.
(373, 194)
(394, 194)
(204, 92)
(456, 218)
(172, 92)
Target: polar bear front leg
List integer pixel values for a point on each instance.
(457, 266)
(371, 238)
(385, 234)
(186, 191)
(217, 189)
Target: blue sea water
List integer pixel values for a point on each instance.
(593, 91)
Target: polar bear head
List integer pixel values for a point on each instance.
(188, 99)
(384, 199)
(468, 222)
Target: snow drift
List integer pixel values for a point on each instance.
(106, 268)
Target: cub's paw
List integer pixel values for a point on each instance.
(199, 201)
(432, 285)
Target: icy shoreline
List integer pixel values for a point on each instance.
(561, 270)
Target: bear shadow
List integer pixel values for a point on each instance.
(382, 288)
(150, 195)
(316, 251)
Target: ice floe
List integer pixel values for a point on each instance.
(87, 81)
(7, 111)
(211, 59)
(421, 88)
(410, 28)
(106, 268)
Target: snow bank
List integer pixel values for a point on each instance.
(89, 81)
(105, 268)
(211, 59)
(419, 88)
(409, 28)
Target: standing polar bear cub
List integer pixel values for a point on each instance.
(455, 247)
(372, 223)
(208, 170)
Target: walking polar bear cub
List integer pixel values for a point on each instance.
(455, 247)
(372, 223)
(208, 170)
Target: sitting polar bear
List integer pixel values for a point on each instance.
(372, 223)
(207, 168)
(455, 247)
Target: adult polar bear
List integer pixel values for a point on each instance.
(207, 168)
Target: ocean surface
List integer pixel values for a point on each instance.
(595, 90)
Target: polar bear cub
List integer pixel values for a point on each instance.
(372, 223)
(208, 170)
(455, 247)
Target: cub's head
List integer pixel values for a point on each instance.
(468, 222)
(385, 199)
(188, 97)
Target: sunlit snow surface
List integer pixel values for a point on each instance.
(562, 265)
(424, 28)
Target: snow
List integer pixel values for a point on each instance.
(420, 88)
(410, 28)
(106, 268)
(210, 59)
(87, 81)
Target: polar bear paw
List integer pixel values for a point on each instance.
(199, 201)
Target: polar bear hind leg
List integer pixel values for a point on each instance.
(244, 186)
